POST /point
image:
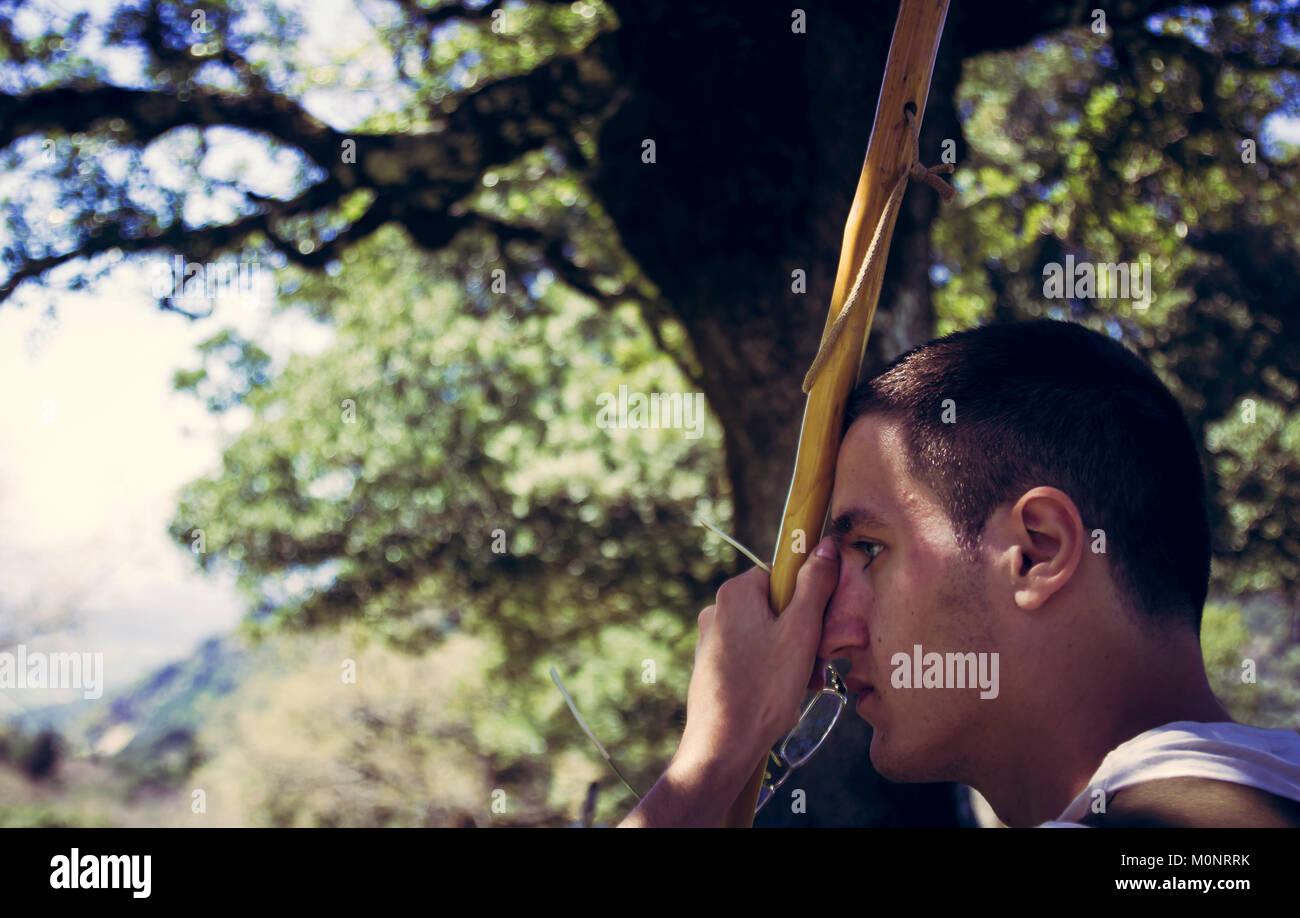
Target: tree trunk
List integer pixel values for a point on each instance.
(723, 245)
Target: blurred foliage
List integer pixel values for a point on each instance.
(375, 477)
(34, 791)
(1253, 662)
(337, 733)
(229, 353)
(340, 729)
(1075, 150)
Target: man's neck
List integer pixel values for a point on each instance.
(1052, 763)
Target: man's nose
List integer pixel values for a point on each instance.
(844, 627)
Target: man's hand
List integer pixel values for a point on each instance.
(751, 666)
(751, 670)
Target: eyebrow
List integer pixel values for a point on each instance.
(852, 519)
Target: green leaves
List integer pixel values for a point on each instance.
(233, 369)
(438, 471)
(1110, 150)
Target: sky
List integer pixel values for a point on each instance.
(92, 448)
(94, 443)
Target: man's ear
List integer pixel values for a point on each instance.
(1046, 539)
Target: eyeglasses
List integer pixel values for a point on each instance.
(807, 736)
(813, 727)
(809, 733)
(609, 759)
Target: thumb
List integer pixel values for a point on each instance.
(813, 587)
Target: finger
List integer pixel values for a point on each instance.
(747, 591)
(739, 590)
(813, 587)
(705, 619)
(755, 578)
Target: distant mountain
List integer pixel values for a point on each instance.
(152, 725)
(146, 733)
(149, 728)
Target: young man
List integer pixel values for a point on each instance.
(1029, 496)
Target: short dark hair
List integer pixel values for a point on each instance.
(1054, 403)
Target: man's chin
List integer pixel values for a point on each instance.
(902, 766)
(883, 762)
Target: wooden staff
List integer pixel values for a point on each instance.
(891, 154)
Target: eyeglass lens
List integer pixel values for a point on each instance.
(812, 729)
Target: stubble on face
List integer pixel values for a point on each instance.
(935, 734)
(928, 590)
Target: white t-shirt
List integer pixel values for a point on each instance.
(1253, 756)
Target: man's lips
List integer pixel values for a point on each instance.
(857, 686)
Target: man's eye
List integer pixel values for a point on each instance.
(870, 549)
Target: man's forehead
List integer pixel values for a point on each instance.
(871, 481)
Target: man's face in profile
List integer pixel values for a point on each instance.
(904, 580)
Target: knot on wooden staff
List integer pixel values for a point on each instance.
(930, 175)
(917, 171)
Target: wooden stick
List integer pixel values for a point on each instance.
(907, 81)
